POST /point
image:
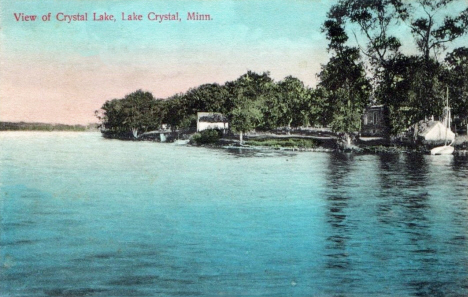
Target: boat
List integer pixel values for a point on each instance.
(443, 150)
(446, 149)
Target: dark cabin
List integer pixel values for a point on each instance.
(373, 122)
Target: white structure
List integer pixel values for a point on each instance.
(443, 150)
(211, 120)
(435, 131)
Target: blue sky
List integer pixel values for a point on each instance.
(61, 72)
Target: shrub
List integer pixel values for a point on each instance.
(208, 136)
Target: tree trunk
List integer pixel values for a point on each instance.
(135, 132)
(415, 134)
(241, 139)
(348, 140)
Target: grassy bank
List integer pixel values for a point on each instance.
(286, 143)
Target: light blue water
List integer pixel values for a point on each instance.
(85, 216)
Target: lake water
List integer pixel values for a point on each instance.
(86, 216)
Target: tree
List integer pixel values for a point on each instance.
(320, 112)
(373, 19)
(457, 76)
(207, 97)
(416, 91)
(270, 112)
(246, 96)
(343, 82)
(175, 111)
(137, 113)
(245, 117)
(347, 89)
(434, 23)
(293, 102)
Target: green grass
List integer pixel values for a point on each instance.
(277, 143)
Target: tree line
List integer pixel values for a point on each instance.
(253, 101)
(22, 126)
(370, 67)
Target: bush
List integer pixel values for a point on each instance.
(208, 136)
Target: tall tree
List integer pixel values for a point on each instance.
(244, 102)
(457, 76)
(136, 113)
(207, 97)
(344, 82)
(347, 90)
(320, 112)
(371, 22)
(245, 117)
(293, 102)
(175, 111)
(434, 23)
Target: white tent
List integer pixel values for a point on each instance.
(434, 131)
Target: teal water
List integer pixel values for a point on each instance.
(86, 216)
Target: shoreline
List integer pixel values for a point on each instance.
(357, 149)
(321, 143)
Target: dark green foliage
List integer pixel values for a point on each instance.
(175, 112)
(245, 104)
(137, 113)
(209, 136)
(181, 109)
(417, 91)
(253, 101)
(294, 103)
(412, 87)
(346, 90)
(457, 77)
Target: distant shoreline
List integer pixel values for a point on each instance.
(28, 126)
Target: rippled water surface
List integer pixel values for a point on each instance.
(85, 216)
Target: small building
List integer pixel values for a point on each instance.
(211, 120)
(373, 122)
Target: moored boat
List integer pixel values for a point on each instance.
(446, 149)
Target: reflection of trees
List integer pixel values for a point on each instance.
(414, 240)
(404, 211)
(459, 165)
(337, 200)
(403, 180)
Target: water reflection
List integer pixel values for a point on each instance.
(406, 212)
(365, 225)
(256, 153)
(459, 165)
(338, 262)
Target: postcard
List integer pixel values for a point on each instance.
(233, 148)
